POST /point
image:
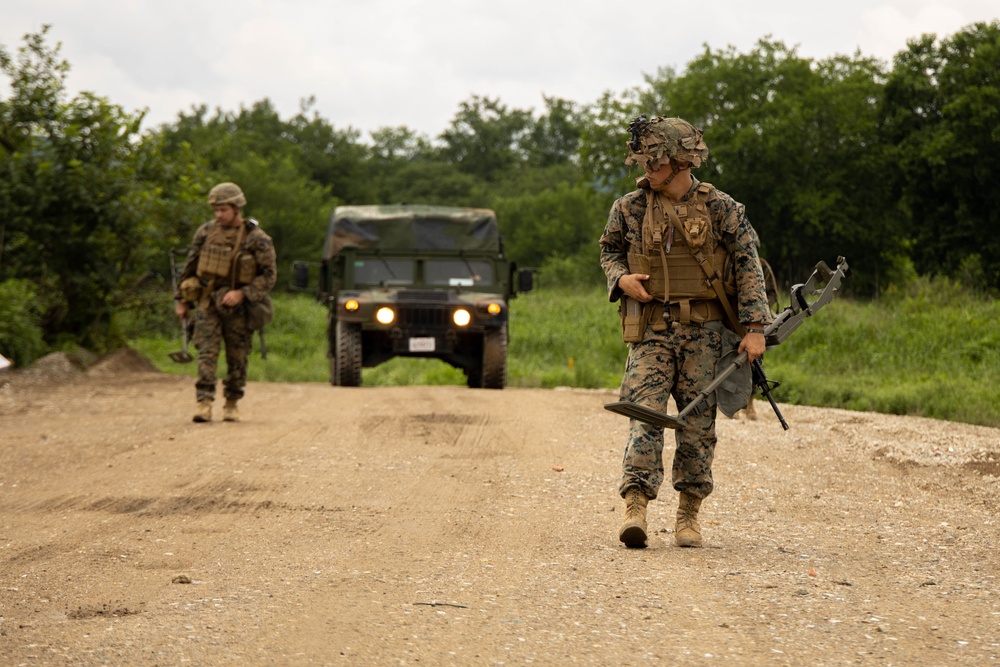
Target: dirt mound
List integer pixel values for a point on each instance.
(122, 362)
(55, 366)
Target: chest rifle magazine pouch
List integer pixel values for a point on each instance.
(214, 261)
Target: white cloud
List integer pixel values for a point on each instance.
(372, 63)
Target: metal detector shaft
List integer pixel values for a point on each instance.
(696, 406)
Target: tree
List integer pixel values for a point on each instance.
(86, 205)
(554, 137)
(485, 138)
(555, 222)
(294, 172)
(941, 116)
(797, 142)
(602, 150)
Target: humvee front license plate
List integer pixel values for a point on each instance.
(422, 344)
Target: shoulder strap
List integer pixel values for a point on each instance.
(236, 254)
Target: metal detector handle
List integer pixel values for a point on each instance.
(792, 317)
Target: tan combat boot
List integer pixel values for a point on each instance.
(687, 532)
(204, 412)
(633, 530)
(230, 412)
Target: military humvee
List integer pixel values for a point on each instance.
(416, 281)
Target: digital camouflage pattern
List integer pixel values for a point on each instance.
(212, 328)
(682, 359)
(215, 324)
(658, 141)
(729, 224)
(677, 362)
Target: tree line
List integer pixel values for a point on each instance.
(892, 165)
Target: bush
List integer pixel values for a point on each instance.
(20, 326)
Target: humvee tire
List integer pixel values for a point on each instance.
(347, 363)
(494, 370)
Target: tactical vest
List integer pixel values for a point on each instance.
(220, 260)
(679, 285)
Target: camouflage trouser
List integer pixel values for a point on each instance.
(211, 329)
(678, 362)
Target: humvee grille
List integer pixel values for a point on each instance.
(410, 295)
(423, 317)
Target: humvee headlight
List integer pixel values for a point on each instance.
(385, 315)
(351, 304)
(493, 308)
(462, 317)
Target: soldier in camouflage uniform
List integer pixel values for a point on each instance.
(670, 250)
(231, 262)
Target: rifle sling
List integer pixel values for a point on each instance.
(236, 255)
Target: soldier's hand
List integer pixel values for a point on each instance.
(233, 298)
(754, 345)
(181, 309)
(631, 284)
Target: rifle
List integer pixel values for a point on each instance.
(787, 321)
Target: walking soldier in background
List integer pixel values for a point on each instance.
(230, 268)
(682, 258)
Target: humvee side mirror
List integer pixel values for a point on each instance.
(300, 275)
(525, 280)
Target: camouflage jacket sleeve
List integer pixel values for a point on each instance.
(194, 252)
(624, 229)
(741, 242)
(261, 247)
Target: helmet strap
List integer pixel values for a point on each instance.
(675, 170)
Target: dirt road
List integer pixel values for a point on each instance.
(448, 526)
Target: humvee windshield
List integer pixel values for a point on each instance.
(381, 271)
(458, 272)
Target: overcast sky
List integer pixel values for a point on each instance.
(376, 63)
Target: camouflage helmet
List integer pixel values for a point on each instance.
(660, 140)
(227, 193)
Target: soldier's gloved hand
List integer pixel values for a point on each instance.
(631, 284)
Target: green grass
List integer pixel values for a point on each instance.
(934, 351)
(556, 339)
